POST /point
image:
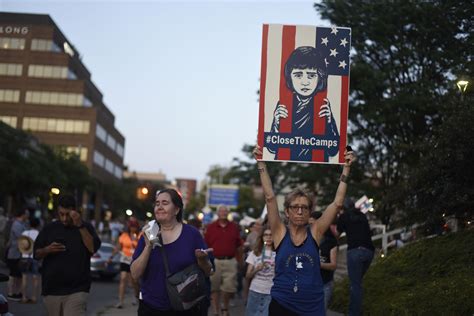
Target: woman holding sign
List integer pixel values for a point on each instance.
(297, 285)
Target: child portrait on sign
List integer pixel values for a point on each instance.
(306, 75)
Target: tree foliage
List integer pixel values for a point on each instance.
(406, 58)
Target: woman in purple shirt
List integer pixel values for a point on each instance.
(183, 245)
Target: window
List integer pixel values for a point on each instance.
(109, 166)
(44, 45)
(12, 43)
(52, 125)
(118, 172)
(111, 142)
(9, 95)
(78, 150)
(100, 133)
(99, 158)
(11, 69)
(47, 71)
(9, 120)
(119, 150)
(54, 98)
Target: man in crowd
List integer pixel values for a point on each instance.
(360, 251)
(14, 254)
(224, 237)
(66, 246)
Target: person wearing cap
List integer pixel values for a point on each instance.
(360, 251)
(126, 245)
(66, 246)
(31, 265)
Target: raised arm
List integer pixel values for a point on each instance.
(276, 225)
(322, 224)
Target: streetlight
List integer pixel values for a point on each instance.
(55, 191)
(462, 86)
(129, 212)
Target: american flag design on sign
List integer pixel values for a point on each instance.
(304, 93)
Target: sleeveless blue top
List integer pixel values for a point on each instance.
(297, 284)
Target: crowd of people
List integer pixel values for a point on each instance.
(284, 266)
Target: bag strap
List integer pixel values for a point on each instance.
(165, 258)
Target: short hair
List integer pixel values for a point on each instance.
(176, 199)
(306, 57)
(67, 201)
(222, 206)
(290, 197)
(34, 222)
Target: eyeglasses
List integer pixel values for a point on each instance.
(267, 234)
(296, 208)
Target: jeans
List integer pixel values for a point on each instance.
(257, 304)
(358, 262)
(328, 293)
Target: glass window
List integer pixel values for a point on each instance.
(28, 97)
(60, 126)
(35, 97)
(9, 95)
(100, 132)
(119, 150)
(62, 98)
(9, 120)
(51, 125)
(42, 124)
(44, 99)
(109, 166)
(111, 142)
(69, 126)
(98, 158)
(3, 69)
(47, 71)
(54, 98)
(12, 43)
(118, 172)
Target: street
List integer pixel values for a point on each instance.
(103, 296)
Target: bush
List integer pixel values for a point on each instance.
(429, 277)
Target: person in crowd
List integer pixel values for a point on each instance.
(260, 273)
(224, 237)
(126, 245)
(183, 245)
(360, 251)
(297, 285)
(395, 242)
(13, 254)
(66, 246)
(116, 228)
(255, 231)
(328, 260)
(32, 266)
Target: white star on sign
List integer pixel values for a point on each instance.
(334, 30)
(324, 41)
(343, 42)
(333, 52)
(342, 64)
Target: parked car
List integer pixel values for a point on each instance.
(99, 265)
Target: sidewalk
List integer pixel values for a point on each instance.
(237, 308)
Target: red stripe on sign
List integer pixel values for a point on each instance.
(263, 82)
(344, 115)
(319, 123)
(286, 96)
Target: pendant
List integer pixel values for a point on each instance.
(295, 289)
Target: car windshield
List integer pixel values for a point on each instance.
(106, 249)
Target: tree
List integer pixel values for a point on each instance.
(406, 57)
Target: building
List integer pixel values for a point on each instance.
(46, 89)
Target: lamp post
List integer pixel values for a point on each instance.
(462, 86)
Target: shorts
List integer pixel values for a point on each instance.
(14, 268)
(29, 266)
(124, 267)
(225, 277)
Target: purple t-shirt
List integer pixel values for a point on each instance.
(180, 254)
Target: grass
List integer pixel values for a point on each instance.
(429, 277)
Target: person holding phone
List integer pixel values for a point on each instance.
(66, 246)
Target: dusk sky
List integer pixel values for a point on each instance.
(180, 77)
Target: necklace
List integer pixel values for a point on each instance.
(169, 229)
